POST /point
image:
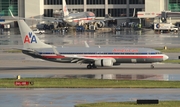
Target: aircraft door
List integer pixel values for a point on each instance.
(148, 54)
(100, 54)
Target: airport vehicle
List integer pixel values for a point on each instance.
(165, 27)
(39, 31)
(93, 56)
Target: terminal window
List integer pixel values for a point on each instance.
(5, 5)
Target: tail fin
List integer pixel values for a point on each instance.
(29, 39)
(65, 10)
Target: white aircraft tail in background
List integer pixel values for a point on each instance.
(65, 10)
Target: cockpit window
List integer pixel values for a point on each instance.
(158, 53)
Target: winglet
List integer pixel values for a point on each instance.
(86, 44)
(11, 13)
(134, 12)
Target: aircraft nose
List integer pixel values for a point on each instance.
(165, 57)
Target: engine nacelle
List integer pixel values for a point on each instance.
(100, 24)
(104, 62)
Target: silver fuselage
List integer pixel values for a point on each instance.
(120, 54)
(75, 19)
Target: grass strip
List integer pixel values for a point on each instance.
(12, 51)
(175, 61)
(88, 83)
(169, 50)
(131, 104)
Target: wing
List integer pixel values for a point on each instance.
(108, 17)
(39, 18)
(75, 58)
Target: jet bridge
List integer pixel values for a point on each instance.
(166, 14)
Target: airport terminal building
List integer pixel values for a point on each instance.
(30, 8)
(146, 10)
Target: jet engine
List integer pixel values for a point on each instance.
(104, 63)
(100, 24)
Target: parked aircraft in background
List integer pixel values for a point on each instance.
(92, 56)
(84, 18)
(79, 18)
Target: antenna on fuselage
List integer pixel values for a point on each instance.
(86, 44)
(55, 51)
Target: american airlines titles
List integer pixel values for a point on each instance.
(125, 50)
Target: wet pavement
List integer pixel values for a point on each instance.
(160, 77)
(144, 38)
(62, 97)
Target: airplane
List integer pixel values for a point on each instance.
(92, 56)
(84, 18)
(79, 18)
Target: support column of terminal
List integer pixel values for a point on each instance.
(127, 10)
(85, 5)
(106, 6)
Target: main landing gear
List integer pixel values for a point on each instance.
(152, 66)
(90, 66)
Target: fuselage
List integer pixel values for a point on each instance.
(79, 18)
(120, 54)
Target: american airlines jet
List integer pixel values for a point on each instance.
(82, 18)
(92, 56)
(79, 18)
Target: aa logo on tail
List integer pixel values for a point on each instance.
(30, 38)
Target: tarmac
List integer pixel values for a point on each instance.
(13, 64)
(66, 97)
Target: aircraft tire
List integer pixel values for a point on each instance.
(152, 66)
(32, 83)
(89, 66)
